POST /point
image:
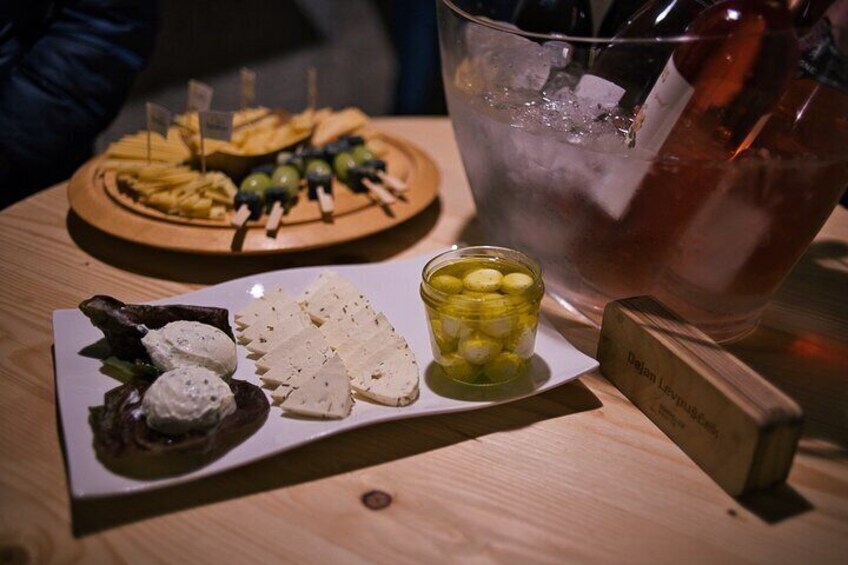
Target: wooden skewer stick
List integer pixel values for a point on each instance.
(241, 216)
(325, 201)
(384, 196)
(274, 218)
(392, 182)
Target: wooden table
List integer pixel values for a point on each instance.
(574, 474)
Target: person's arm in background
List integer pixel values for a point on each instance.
(63, 83)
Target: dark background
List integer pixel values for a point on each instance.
(356, 46)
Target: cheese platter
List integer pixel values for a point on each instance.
(354, 350)
(270, 189)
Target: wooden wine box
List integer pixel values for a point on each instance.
(733, 423)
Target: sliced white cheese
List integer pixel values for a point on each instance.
(302, 353)
(257, 308)
(274, 317)
(334, 298)
(322, 278)
(326, 394)
(390, 376)
(274, 335)
(358, 350)
(347, 327)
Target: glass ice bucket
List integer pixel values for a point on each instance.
(696, 167)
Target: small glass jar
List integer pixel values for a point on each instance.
(483, 310)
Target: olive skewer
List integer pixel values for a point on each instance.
(362, 155)
(361, 179)
(250, 199)
(285, 184)
(319, 181)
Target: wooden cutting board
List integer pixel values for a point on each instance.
(96, 198)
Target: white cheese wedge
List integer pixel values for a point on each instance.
(276, 334)
(279, 321)
(390, 376)
(255, 309)
(276, 316)
(304, 352)
(358, 350)
(334, 298)
(322, 278)
(347, 327)
(326, 394)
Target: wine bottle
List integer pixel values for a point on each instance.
(631, 69)
(761, 216)
(711, 99)
(567, 17)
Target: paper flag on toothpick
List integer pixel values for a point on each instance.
(248, 87)
(199, 96)
(216, 125)
(158, 119)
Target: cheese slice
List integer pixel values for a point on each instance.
(258, 308)
(334, 298)
(275, 334)
(362, 347)
(326, 394)
(350, 326)
(305, 351)
(281, 315)
(390, 376)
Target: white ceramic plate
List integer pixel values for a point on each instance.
(391, 287)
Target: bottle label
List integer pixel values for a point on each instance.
(651, 127)
(820, 58)
(661, 110)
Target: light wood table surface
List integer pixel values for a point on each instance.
(575, 474)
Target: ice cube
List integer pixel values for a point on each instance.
(599, 91)
(507, 60)
(559, 53)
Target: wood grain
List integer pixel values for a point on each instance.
(576, 474)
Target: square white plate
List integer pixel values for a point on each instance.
(392, 288)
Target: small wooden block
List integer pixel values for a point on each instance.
(733, 423)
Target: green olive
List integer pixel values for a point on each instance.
(257, 182)
(319, 167)
(287, 177)
(360, 154)
(343, 162)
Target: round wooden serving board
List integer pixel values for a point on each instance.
(96, 198)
